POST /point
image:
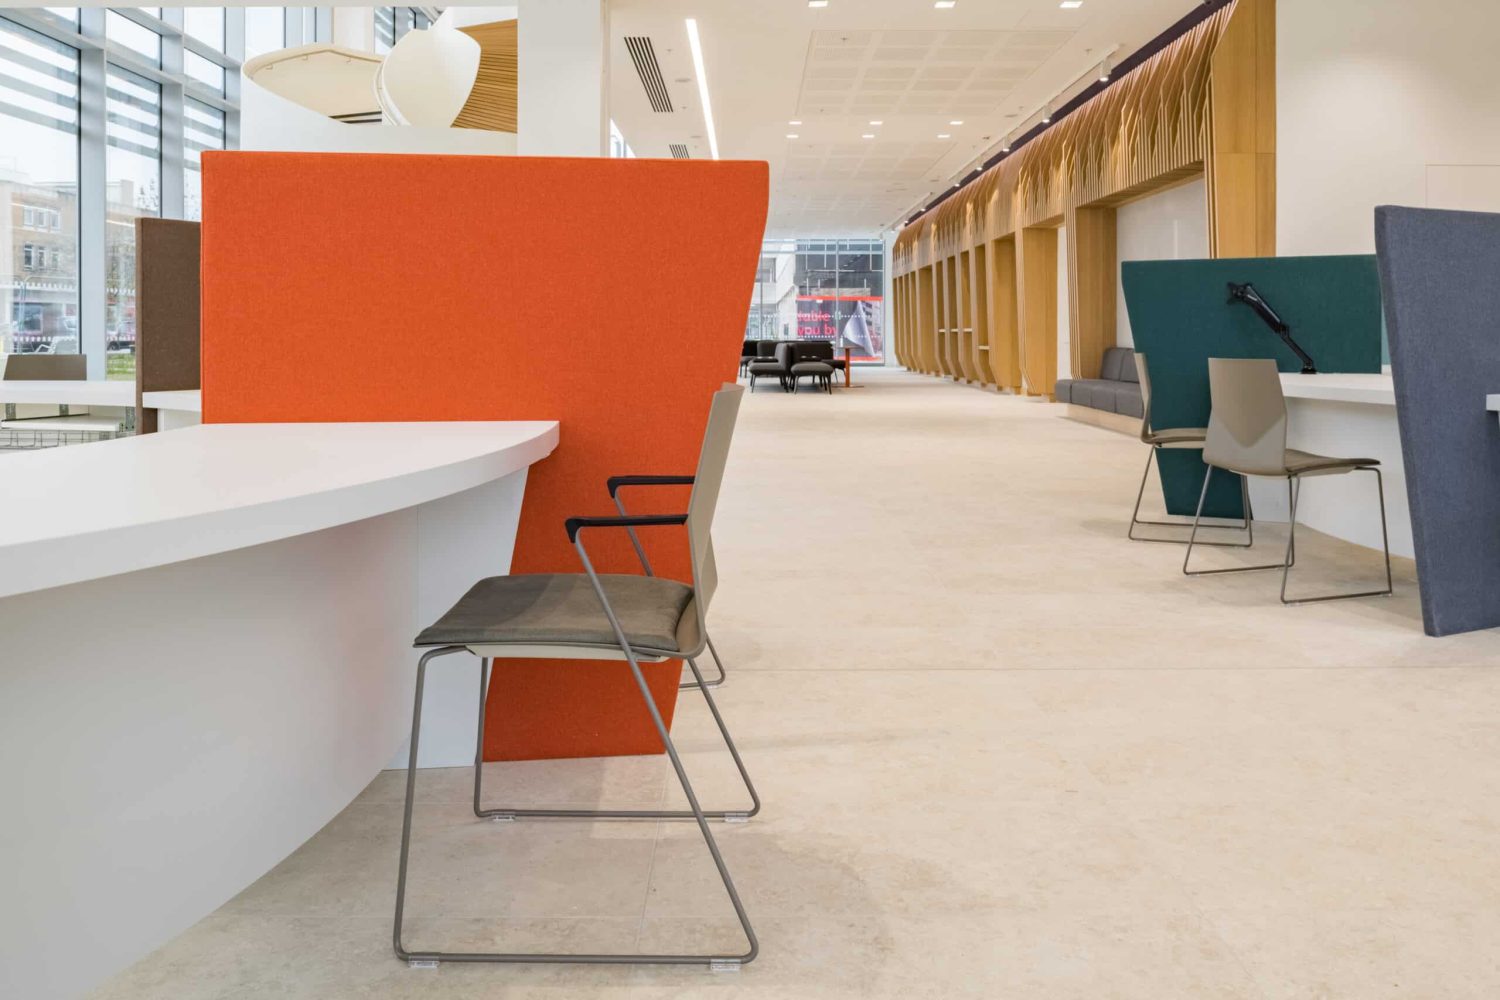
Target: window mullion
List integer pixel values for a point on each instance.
(92, 194)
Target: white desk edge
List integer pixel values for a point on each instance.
(134, 503)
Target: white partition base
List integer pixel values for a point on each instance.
(173, 733)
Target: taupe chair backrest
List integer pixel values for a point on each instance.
(1247, 425)
(706, 484)
(46, 367)
(1144, 377)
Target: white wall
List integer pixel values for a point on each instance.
(1064, 323)
(563, 69)
(1382, 103)
(1168, 225)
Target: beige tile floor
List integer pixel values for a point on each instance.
(1005, 753)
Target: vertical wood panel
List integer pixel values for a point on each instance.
(1036, 277)
(1091, 287)
(1242, 134)
(963, 337)
(979, 309)
(1005, 356)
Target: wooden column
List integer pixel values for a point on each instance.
(1091, 287)
(927, 320)
(1036, 279)
(963, 338)
(979, 310)
(1241, 168)
(1005, 356)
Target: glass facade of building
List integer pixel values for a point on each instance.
(812, 289)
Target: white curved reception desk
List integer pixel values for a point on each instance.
(207, 654)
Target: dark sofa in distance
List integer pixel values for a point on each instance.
(1116, 390)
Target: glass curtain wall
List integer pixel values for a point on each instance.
(822, 289)
(104, 115)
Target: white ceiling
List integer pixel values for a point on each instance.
(988, 63)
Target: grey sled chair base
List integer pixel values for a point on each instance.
(1294, 492)
(431, 959)
(1248, 527)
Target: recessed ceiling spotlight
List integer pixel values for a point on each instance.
(945, 4)
(868, 135)
(956, 121)
(1005, 145)
(1046, 116)
(1104, 71)
(944, 135)
(795, 121)
(979, 169)
(877, 123)
(791, 135)
(1065, 5)
(957, 183)
(817, 3)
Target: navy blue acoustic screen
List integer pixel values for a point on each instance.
(1180, 317)
(1440, 275)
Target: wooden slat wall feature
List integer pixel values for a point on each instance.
(1242, 135)
(1005, 357)
(947, 363)
(1165, 122)
(1036, 278)
(492, 102)
(979, 308)
(1092, 293)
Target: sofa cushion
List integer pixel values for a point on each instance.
(1063, 390)
(1131, 373)
(1129, 403)
(1113, 367)
(1097, 393)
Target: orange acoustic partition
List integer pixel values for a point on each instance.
(607, 294)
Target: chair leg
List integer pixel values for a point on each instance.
(1384, 538)
(717, 681)
(1135, 520)
(1198, 516)
(505, 814)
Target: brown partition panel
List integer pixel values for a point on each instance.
(168, 328)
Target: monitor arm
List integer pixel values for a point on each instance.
(1247, 294)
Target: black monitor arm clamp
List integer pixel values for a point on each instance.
(1247, 294)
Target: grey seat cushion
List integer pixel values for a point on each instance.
(1129, 403)
(764, 367)
(1063, 390)
(562, 608)
(1112, 367)
(1094, 392)
(812, 368)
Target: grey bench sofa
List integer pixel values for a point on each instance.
(1116, 390)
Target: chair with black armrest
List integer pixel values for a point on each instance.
(811, 360)
(747, 354)
(1246, 435)
(1174, 439)
(593, 616)
(778, 367)
(617, 483)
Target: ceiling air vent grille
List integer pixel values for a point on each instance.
(679, 151)
(644, 56)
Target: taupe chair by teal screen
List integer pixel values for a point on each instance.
(1172, 439)
(1247, 436)
(597, 616)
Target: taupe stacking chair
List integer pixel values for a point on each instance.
(594, 616)
(1177, 439)
(1247, 436)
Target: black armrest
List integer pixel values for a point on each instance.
(615, 482)
(574, 524)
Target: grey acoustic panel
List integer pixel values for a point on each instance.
(1440, 281)
(168, 327)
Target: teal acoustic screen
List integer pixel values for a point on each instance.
(1181, 316)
